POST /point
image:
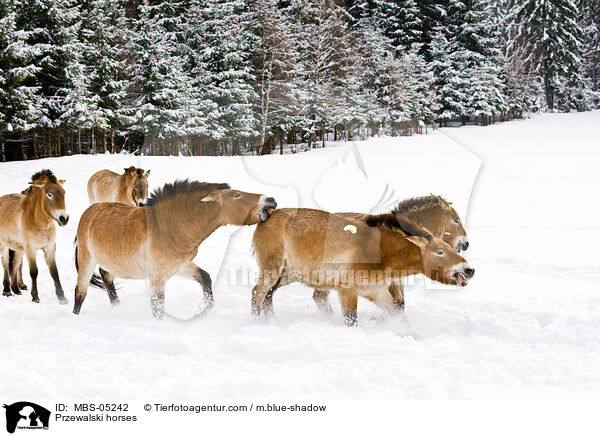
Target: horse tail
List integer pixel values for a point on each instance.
(96, 280)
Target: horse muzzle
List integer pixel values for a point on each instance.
(62, 219)
(267, 206)
(462, 244)
(462, 274)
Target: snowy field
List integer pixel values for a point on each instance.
(527, 326)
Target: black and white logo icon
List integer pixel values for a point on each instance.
(26, 415)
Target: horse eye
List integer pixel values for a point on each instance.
(49, 195)
(455, 220)
(439, 253)
(237, 195)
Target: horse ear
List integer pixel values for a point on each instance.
(419, 241)
(146, 174)
(62, 182)
(210, 197)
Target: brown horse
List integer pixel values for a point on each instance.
(160, 240)
(432, 212)
(327, 251)
(131, 187)
(27, 225)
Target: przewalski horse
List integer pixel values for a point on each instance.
(27, 225)
(160, 240)
(328, 251)
(131, 187)
(432, 212)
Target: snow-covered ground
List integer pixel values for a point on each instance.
(528, 325)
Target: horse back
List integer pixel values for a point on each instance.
(103, 186)
(313, 239)
(11, 210)
(115, 235)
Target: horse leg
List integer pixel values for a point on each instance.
(267, 305)
(194, 272)
(267, 282)
(50, 256)
(14, 259)
(320, 296)
(157, 299)
(33, 273)
(109, 283)
(349, 301)
(396, 290)
(6, 266)
(85, 270)
(19, 268)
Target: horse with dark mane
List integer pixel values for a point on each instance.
(26, 226)
(354, 257)
(432, 212)
(160, 240)
(131, 187)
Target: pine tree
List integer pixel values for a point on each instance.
(226, 34)
(479, 34)
(590, 20)
(51, 28)
(19, 109)
(362, 8)
(423, 101)
(401, 22)
(432, 14)
(315, 47)
(468, 64)
(163, 88)
(548, 38)
(348, 99)
(449, 71)
(104, 32)
(373, 50)
(274, 74)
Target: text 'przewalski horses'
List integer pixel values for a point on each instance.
(131, 187)
(160, 240)
(432, 212)
(328, 251)
(27, 225)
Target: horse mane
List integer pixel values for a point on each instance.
(395, 221)
(186, 186)
(44, 176)
(135, 171)
(418, 203)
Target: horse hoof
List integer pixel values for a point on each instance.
(23, 287)
(35, 300)
(17, 292)
(6, 294)
(62, 300)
